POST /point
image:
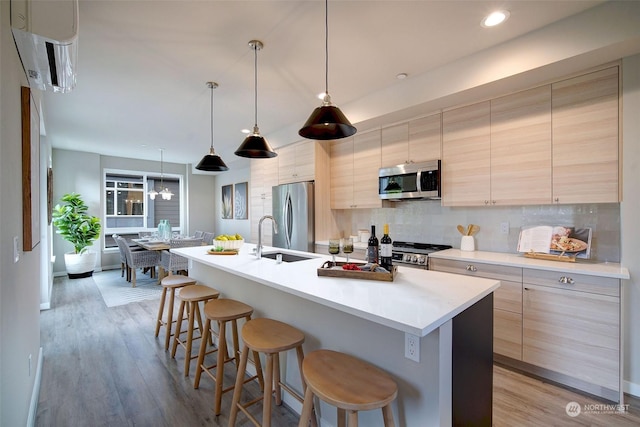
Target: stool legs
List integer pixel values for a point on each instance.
(194, 313)
(161, 312)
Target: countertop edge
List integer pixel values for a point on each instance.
(600, 269)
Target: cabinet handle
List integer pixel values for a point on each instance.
(557, 199)
(486, 202)
(493, 202)
(566, 280)
(526, 289)
(471, 267)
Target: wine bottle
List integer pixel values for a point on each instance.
(386, 259)
(372, 247)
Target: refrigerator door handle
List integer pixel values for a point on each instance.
(288, 216)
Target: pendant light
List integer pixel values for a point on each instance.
(255, 146)
(212, 162)
(165, 193)
(327, 121)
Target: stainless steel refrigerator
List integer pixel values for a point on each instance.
(293, 210)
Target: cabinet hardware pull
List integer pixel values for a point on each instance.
(486, 202)
(566, 280)
(471, 267)
(526, 289)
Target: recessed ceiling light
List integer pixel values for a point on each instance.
(245, 131)
(495, 18)
(401, 76)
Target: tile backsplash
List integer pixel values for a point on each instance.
(428, 222)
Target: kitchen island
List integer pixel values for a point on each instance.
(450, 316)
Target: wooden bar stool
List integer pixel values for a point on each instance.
(191, 295)
(170, 283)
(223, 311)
(270, 337)
(347, 383)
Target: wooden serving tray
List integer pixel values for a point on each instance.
(337, 271)
(225, 252)
(550, 257)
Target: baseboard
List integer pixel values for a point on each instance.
(632, 388)
(35, 394)
(45, 306)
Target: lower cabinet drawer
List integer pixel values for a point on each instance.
(571, 281)
(507, 333)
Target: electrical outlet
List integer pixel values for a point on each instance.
(412, 347)
(504, 227)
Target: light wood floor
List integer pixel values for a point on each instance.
(104, 367)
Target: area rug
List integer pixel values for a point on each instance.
(117, 291)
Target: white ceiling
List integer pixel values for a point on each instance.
(143, 65)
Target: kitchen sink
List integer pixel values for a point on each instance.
(286, 257)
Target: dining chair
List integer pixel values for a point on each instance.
(198, 234)
(171, 262)
(139, 259)
(123, 257)
(207, 237)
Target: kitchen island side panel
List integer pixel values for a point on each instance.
(419, 396)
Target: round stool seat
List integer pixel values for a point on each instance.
(197, 293)
(347, 382)
(177, 281)
(271, 336)
(226, 309)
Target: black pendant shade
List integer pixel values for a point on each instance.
(327, 122)
(212, 163)
(255, 146)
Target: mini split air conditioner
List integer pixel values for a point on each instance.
(46, 34)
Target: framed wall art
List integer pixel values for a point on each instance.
(30, 171)
(227, 201)
(241, 208)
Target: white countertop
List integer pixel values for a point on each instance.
(602, 269)
(417, 301)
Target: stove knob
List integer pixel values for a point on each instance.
(414, 259)
(421, 259)
(406, 258)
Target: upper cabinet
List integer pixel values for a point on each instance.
(585, 138)
(296, 162)
(466, 155)
(556, 143)
(355, 163)
(411, 142)
(521, 148)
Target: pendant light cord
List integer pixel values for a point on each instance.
(212, 88)
(161, 169)
(326, 47)
(255, 81)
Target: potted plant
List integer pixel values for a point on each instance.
(80, 229)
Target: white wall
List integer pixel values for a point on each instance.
(19, 282)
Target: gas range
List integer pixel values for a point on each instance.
(413, 254)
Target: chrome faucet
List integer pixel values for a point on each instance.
(275, 230)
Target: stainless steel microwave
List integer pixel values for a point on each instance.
(410, 181)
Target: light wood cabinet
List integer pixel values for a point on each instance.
(507, 301)
(296, 162)
(412, 142)
(466, 155)
(521, 148)
(574, 332)
(264, 175)
(556, 143)
(354, 171)
(585, 138)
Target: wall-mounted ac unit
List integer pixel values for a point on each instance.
(46, 34)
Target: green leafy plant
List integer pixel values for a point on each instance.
(74, 224)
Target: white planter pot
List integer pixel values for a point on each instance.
(80, 265)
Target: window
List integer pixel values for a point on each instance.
(128, 209)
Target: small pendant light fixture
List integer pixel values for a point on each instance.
(327, 121)
(165, 193)
(255, 146)
(212, 162)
